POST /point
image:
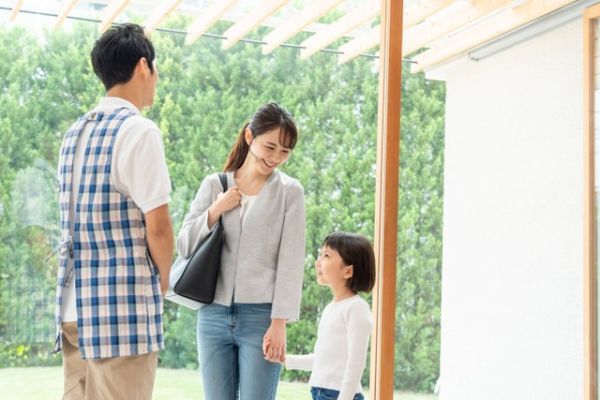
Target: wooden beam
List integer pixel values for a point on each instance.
(590, 250)
(296, 23)
(355, 47)
(457, 15)
(66, 8)
(15, 10)
(262, 11)
(386, 201)
(113, 10)
(336, 30)
(422, 10)
(160, 15)
(484, 32)
(209, 16)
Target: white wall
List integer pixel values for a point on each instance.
(512, 302)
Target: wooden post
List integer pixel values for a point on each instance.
(590, 323)
(386, 202)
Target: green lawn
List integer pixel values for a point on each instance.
(45, 383)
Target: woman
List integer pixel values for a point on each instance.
(262, 262)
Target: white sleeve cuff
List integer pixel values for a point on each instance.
(299, 362)
(154, 203)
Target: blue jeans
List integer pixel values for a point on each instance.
(230, 352)
(330, 394)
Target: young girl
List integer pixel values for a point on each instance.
(347, 265)
(262, 261)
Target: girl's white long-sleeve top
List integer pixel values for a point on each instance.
(340, 353)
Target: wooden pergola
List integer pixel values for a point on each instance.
(428, 32)
(434, 31)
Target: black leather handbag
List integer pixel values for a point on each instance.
(198, 280)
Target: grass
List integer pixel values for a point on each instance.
(45, 383)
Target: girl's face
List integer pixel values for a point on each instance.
(331, 270)
(267, 150)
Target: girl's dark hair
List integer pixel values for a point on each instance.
(355, 250)
(118, 50)
(269, 117)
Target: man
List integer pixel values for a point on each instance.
(117, 235)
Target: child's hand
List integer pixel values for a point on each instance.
(265, 346)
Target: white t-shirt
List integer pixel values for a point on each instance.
(340, 353)
(138, 170)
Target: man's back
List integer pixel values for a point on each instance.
(117, 236)
(116, 286)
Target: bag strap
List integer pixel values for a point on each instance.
(223, 179)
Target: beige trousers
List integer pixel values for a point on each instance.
(127, 378)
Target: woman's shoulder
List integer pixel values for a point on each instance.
(211, 181)
(289, 184)
(215, 177)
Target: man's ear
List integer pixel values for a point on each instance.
(144, 67)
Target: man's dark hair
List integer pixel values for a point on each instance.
(118, 50)
(355, 250)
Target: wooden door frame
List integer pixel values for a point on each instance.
(590, 324)
(386, 200)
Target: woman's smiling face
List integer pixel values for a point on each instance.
(268, 151)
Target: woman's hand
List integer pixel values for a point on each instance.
(266, 344)
(274, 341)
(224, 202)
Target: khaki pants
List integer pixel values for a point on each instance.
(127, 378)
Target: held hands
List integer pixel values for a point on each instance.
(266, 344)
(274, 342)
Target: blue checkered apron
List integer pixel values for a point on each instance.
(119, 304)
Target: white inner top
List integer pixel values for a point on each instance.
(245, 205)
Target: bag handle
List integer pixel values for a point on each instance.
(223, 179)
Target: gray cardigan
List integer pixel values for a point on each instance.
(262, 259)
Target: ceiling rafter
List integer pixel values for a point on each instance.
(491, 28)
(338, 29)
(66, 8)
(15, 10)
(251, 21)
(310, 13)
(357, 46)
(461, 14)
(209, 16)
(160, 14)
(422, 10)
(113, 10)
